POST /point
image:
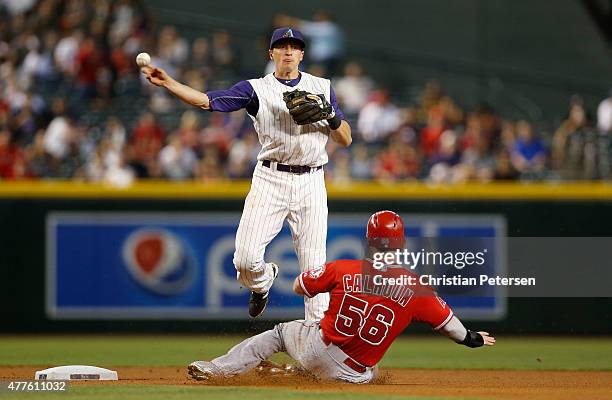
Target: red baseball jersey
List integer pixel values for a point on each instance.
(369, 308)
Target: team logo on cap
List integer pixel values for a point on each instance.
(289, 33)
(159, 260)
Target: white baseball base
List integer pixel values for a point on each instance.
(76, 372)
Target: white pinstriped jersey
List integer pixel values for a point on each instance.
(282, 140)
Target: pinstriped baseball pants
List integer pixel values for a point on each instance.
(274, 196)
(301, 340)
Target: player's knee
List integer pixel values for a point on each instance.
(245, 260)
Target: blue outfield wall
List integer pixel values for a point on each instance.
(134, 265)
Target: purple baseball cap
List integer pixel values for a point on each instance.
(287, 33)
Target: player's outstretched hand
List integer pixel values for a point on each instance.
(488, 339)
(155, 75)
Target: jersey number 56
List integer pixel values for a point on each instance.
(353, 318)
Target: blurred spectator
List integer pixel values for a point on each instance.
(200, 58)
(361, 165)
(429, 137)
(177, 162)
(224, 56)
(25, 122)
(317, 70)
(46, 14)
(325, 40)
(115, 133)
(16, 7)
(40, 164)
(74, 14)
(429, 97)
(60, 132)
(409, 125)
(566, 143)
(489, 122)
(340, 167)
(108, 153)
(443, 162)
(196, 80)
(243, 156)
(504, 170)
(209, 167)
(94, 168)
(121, 61)
(171, 47)
(529, 154)
(604, 115)
(507, 135)
(217, 135)
(448, 151)
(32, 65)
(472, 133)
(73, 161)
(66, 52)
(379, 118)
(477, 161)
(189, 131)
(119, 175)
(453, 114)
(123, 14)
(14, 92)
(12, 160)
(146, 142)
(353, 89)
(399, 161)
(89, 61)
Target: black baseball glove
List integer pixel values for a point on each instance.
(307, 108)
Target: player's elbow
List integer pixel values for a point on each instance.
(347, 140)
(297, 288)
(343, 135)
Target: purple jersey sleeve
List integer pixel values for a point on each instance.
(334, 103)
(241, 95)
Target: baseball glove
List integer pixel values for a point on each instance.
(307, 108)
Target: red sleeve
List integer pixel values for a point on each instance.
(319, 280)
(433, 310)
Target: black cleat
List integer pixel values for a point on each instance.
(258, 301)
(257, 304)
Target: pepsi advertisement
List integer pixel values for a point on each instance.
(179, 266)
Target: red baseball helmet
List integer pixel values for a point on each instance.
(385, 230)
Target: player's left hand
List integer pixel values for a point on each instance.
(307, 108)
(488, 339)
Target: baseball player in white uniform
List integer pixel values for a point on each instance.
(294, 113)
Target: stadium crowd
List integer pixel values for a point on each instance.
(73, 106)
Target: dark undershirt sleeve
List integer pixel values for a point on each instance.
(334, 103)
(241, 95)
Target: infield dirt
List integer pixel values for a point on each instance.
(488, 384)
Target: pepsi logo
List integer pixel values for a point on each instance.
(159, 260)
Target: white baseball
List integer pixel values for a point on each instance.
(143, 59)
